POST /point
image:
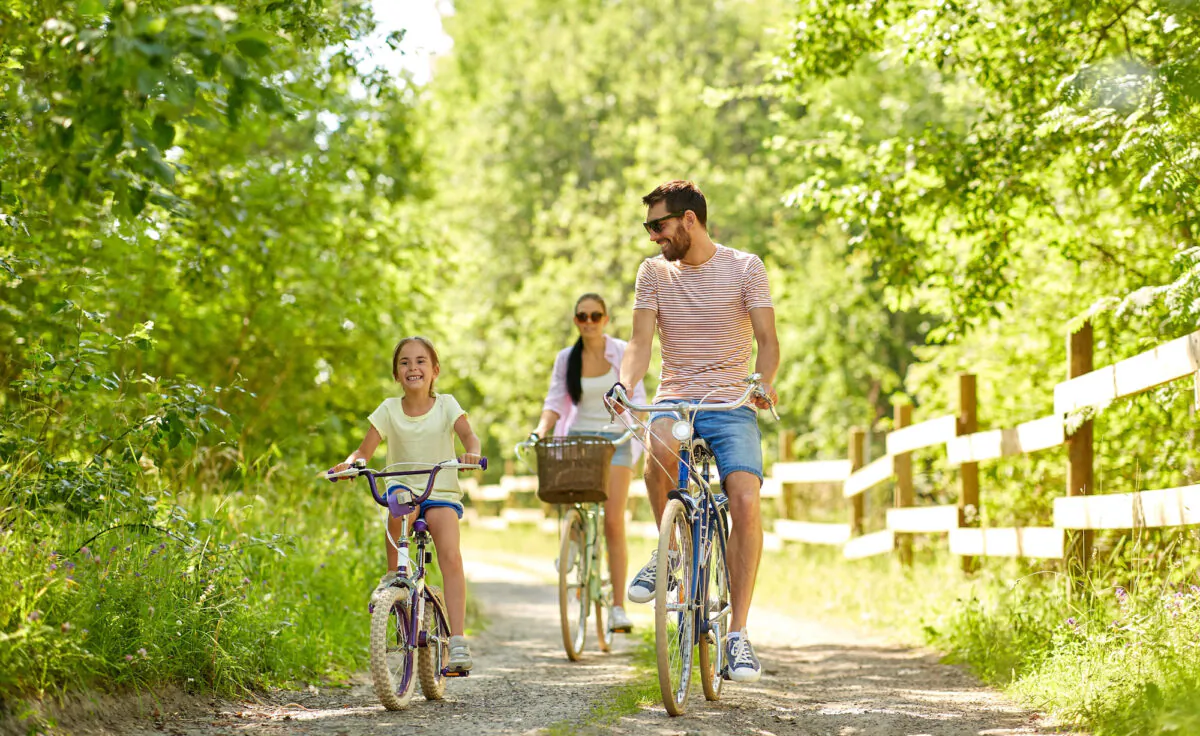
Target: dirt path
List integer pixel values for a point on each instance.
(825, 681)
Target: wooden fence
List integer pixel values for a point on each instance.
(1077, 513)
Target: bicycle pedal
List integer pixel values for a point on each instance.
(455, 673)
(621, 629)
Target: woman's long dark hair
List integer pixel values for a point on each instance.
(575, 359)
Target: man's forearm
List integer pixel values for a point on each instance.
(767, 363)
(634, 365)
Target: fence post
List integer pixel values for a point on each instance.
(1079, 454)
(968, 473)
(856, 462)
(903, 495)
(787, 494)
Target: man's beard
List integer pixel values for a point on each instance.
(678, 246)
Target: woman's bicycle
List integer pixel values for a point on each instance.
(692, 606)
(573, 475)
(408, 617)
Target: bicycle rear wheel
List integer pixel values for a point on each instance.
(573, 598)
(717, 612)
(435, 651)
(391, 648)
(674, 611)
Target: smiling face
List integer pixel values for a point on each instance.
(674, 238)
(416, 367)
(588, 309)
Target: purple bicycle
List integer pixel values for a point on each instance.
(408, 618)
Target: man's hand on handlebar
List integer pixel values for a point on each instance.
(610, 399)
(766, 398)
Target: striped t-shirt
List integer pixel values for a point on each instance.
(704, 321)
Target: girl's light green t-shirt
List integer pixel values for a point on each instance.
(428, 438)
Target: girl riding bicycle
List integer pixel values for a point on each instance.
(575, 406)
(420, 427)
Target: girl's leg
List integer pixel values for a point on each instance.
(443, 525)
(614, 529)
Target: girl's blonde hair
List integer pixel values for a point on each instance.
(433, 356)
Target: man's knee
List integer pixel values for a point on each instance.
(742, 489)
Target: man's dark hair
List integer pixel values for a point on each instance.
(680, 195)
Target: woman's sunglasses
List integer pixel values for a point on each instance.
(582, 317)
(655, 226)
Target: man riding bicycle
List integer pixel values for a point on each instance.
(709, 304)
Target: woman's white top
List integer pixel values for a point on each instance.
(591, 414)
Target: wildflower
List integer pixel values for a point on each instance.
(85, 551)
(1071, 622)
(83, 631)
(70, 565)
(66, 626)
(246, 581)
(151, 610)
(1122, 596)
(53, 567)
(34, 615)
(128, 657)
(142, 652)
(1195, 589)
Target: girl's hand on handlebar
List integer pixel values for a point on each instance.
(337, 469)
(469, 458)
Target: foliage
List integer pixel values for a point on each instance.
(554, 119)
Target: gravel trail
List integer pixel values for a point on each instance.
(817, 680)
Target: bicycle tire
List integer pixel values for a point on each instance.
(573, 594)
(391, 671)
(435, 653)
(604, 637)
(712, 645)
(674, 614)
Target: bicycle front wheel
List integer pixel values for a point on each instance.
(392, 648)
(674, 611)
(716, 614)
(573, 597)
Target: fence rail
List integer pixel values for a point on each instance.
(1076, 514)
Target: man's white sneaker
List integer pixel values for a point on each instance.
(641, 588)
(618, 621)
(742, 665)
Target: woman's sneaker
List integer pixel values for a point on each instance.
(742, 665)
(460, 655)
(618, 621)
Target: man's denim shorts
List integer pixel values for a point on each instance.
(733, 436)
(623, 457)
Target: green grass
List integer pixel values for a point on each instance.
(215, 590)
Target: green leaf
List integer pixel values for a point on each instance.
(252, 47)
(91, 7)
(164, 132)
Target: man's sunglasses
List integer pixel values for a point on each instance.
(655, 226)
(582, 317)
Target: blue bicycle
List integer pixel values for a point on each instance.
(692, 605)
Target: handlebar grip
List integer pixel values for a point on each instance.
(483, 463)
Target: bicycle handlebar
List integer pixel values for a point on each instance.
(398, 508)
(755, 388)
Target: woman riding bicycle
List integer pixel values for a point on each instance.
(575, 406)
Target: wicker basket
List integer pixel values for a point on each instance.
(573, 469)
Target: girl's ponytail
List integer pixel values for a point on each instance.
(575, 372)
